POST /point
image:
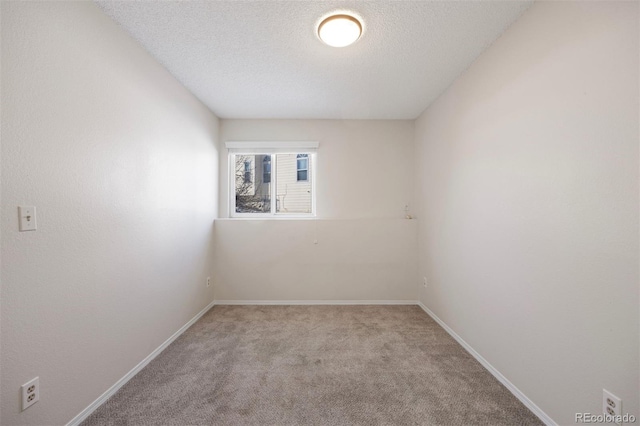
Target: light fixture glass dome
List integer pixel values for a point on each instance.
(339, 30)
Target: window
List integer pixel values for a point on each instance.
(247, 171)
(266, 169)
(302, 166)
(272, 179)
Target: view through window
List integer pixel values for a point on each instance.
(273, 184)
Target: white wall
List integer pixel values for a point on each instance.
(355, 260)
(528, 198)
(366, 249)
(120, 161)
(364, 170)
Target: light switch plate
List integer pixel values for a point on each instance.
(27, 216)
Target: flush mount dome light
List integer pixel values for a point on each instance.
(339, 30)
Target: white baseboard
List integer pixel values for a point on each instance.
(315, 302)
(113, 389)
(512, 388)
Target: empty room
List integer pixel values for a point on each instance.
(319, 212)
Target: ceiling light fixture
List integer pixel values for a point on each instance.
(340, 30)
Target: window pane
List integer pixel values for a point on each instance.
(253, 195)
(293, 184)
(266, 169)
(247, 171)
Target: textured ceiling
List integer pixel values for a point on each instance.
(262, 59)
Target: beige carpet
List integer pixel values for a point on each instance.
(314, 365)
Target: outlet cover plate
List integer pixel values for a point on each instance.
(611, 404)
(30, 393)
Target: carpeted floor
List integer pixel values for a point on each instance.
(314, 365)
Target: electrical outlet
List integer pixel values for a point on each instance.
(611, 404)
(30, 393)
(208, 281)
(424, 282)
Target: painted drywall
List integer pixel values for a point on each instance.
(364, 170)
(527, 192)
(316, 260)
(365, 248)
(264, 59)
(121, 163)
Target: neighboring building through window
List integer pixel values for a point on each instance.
(247, 171)
(266, 169)
(302, 166)
(276, 183)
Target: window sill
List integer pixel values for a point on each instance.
(288, 217)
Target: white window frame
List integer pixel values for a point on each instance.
(271, 148)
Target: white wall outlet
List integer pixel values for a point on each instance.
(424, 282)
(27, 215)
(30, 393)
(208, 281)
(611, 404)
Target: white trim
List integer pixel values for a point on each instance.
(512, 388)
(113, 389)
(314, 302)
(273, 187)
(266, 147)
(267, 216)
(313, 164)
